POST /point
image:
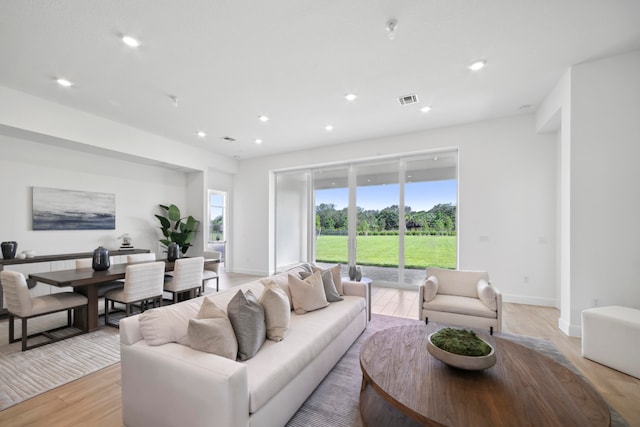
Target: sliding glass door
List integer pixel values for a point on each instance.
(393, 218)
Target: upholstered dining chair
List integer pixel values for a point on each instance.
(22, 305)
(187, 277)
(103, 288)
(148, 257)
(142, 283)
(211, 270)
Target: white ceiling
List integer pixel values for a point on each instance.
(228, 61)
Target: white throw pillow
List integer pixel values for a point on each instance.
(167, 324)
(308, 294)
(430, 288)
(487, 294)
(282, 280)
(335, 273)
(211, 331)
(277, 311)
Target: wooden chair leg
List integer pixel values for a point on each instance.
(69, 320)
(217, 283)
(106, 312)
(12, 335)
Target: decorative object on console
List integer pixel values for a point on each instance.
(9, 249)
(461, 348)
(176, 228)
(173, 251)
(55, 209)
(352, 272)
(126, 242)
(30, 253)
(101, 259)
(358, 274)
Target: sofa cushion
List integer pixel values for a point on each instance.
(277, 311)
(459, 305)
(330, 290)
(211, 331)
(282, 280)
(335, 274)
(487, 294)
(247, 318)
(308, 294)
(168, 324)
(277, 364)
(430, 288)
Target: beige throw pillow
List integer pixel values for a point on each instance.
(330, 290)
(430, 288)
(335, 274)
(487, 294)
(277, 311)
(308, 294)
(211, 331)
(282, 280)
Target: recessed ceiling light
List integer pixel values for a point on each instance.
(328, 128)
(258, 141)
(478, 65)
(64, 82)
(201, 134)
(350, 97)
(426, 109)
(130, 41)
(263, 119)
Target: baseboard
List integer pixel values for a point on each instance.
(530, 300)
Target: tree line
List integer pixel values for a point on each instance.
(441, 219)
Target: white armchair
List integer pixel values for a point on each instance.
(460, 298)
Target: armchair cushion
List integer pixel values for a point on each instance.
(430, 288)
(487, 294)
(460, 305)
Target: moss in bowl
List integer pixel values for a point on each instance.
(461, 348)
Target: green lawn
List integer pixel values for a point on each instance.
(420, 251)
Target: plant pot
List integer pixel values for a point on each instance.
(469, 363)
(173, 252)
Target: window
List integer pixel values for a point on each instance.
(216, 216)
(392, 217)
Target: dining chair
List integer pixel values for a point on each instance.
(103, 288)
(187, 277)
(151, 256)
(142, 283)
(22, 305)
(211, 270)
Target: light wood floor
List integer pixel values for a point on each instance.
(94, 400)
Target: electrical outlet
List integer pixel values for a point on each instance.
(525, 279)
(595, 302)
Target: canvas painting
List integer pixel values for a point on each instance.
(55, 209)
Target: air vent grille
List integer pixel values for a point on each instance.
(408, 99)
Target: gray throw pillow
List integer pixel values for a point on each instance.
(330, 290)
(247, 318)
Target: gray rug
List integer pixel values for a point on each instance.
(29, 373)
(335, 401)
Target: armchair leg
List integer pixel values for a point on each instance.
(11, 328)
(490, 330)
(426, 320)
(217, 283)
(24, 334)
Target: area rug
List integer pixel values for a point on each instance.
(29, 373)
(335, 401)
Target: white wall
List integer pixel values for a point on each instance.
(605, 200)
(507, 200)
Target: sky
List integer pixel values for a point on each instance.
(420, 196)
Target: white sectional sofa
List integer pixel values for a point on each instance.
(174, 385)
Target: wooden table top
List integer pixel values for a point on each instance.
(523, 388)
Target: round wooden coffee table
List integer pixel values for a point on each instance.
(404, 385)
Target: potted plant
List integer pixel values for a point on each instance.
(461, 348)
(176, 228)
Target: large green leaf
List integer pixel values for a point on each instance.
(164, 222)
(174, 213)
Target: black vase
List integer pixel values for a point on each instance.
(9, 249)
(173, 251)
(101, 259)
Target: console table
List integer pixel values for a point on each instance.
(56, 257)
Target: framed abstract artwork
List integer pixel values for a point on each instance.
(55, 209)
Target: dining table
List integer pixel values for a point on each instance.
(86, 282)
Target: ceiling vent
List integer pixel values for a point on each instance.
(408, 99)
(228, 139)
